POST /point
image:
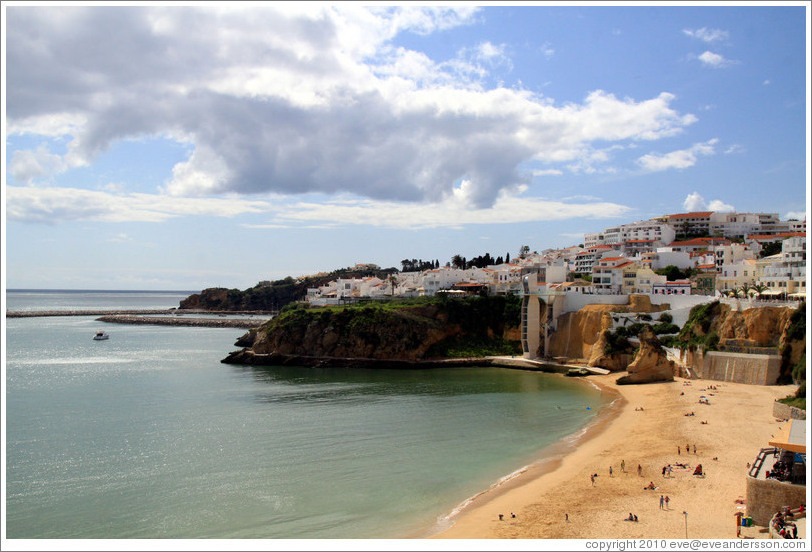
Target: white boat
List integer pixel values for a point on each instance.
(101, 335)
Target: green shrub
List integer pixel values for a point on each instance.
(666, 318)
(665, 328)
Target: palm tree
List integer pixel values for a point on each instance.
(392, 282)
(745, 290)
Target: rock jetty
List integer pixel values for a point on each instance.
(182, 321)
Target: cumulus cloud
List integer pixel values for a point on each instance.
(711, 59)
(707, 35)
(680, 159)
(695, 202)
(290, 98)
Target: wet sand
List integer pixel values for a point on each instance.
(559, 500)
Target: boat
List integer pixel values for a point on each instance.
(101, 335)
(576, 372)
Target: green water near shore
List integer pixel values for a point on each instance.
(148, 435)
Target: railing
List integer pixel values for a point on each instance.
(762, 456)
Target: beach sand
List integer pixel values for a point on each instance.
(739, 423)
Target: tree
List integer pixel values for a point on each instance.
(457, 261)
(507, 257)
(770, 249)
(392, 282)
(523, 251)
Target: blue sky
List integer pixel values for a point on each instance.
(159, 147)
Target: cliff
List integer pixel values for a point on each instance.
(578, 334)
(767, 329)
(410, 330)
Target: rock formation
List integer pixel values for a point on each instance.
(408, 332)
(579, 333)
(650, 363)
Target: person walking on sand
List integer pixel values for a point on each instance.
(662, 501)
(639, 470)
(610, 471)
(592, 478)
(623, 466)
(678, 450)
(666, 502)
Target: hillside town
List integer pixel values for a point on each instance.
(755, 256)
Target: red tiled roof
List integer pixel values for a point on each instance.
(691, 215)
(701, 241)
(639, 241)
(612, 258)
(773, 236)
(624, 264)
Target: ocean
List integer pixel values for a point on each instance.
(149, 435)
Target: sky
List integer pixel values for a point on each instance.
(181, 147)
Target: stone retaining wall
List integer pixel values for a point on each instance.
(740, 368)
(766, 497)
(787, 412)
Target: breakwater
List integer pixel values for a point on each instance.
(142, 317)
(182, 321)
(38, 313)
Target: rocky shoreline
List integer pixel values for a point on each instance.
(248, 357)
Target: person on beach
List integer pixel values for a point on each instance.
(666, 502)
(694, 449)
(610, 471)
(623, 465)
(662, 501)
(678, 450)
(639, 470)
(501, 517)
(592, 478)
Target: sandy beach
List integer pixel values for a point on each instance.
(648, 428)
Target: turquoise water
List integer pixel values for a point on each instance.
(148, 435)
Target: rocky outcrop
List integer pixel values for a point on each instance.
(579, 333)
(402, 332)
(650, 363)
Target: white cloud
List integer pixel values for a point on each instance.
(547, 50)
(302, 99)
(56, 205)
(547, 172)
(714, 60)
(719, 205)
(695, 202)
(680, 159)
(451, 213)
(799, 215)
(735, 148)
(766, 82)
(707, 35)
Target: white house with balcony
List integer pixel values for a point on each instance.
(607, 274)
